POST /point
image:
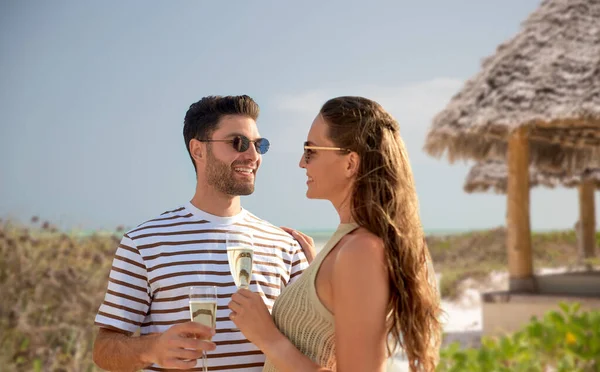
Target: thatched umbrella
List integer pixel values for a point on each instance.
(589, 175)
(545, 80)
(493, 174)
(535, 101)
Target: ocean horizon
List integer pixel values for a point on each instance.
(319, 235)
(325, 234)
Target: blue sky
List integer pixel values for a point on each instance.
(93, 95)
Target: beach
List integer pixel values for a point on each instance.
(467, 264)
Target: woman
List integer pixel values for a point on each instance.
(369, 289)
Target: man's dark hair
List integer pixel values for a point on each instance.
(202, 118)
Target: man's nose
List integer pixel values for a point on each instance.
(251, 153)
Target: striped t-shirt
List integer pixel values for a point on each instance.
(157, 262)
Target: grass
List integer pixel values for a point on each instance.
(52, 283)
(476, 254)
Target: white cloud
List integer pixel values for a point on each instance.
(426, 96)
(305, 102)
(413, 105)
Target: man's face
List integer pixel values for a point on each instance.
(227, 170)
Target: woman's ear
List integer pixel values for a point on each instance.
(352, 165)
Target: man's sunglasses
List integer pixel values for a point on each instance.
(242, 143)
(309, 150)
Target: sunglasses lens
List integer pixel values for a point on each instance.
(241, 143)
(306, 153)
(262, 145)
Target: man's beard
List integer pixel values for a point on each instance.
(221, 177)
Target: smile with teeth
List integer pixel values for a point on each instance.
(244, 170)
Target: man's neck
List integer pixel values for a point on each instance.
(216, 203)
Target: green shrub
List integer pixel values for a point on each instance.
(566, 340)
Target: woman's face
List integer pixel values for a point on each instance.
(326, 169)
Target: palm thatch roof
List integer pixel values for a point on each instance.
(587, 175)
(547, 79)
(493, 175)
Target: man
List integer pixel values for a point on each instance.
(159, 260)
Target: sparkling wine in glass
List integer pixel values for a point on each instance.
(203, 310)
(240, 254)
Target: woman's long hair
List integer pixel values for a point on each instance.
(384, 201)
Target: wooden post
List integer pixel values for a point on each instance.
(520, 261)
(587, 220)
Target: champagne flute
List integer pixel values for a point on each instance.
(203, 310)
(240, 254)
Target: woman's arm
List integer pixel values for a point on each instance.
(306, 243)
(360, 298)
(251, 315)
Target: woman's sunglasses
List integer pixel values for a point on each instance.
(309, 150)
(242, 143)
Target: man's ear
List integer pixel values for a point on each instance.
(197, 149)
(352, 165)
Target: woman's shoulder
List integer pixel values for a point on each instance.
(362, 244)
(361, 262)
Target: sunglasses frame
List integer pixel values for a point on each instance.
(326, 148)
(245, 143)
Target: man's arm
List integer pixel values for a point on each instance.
(126, 301)
(178, 348)
(116, 351)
